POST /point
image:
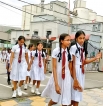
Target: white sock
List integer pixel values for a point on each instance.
(14, 90)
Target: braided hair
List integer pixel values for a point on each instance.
(62, 37)
(78, 33)
(36, 54)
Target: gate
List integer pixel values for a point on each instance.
(92, 51)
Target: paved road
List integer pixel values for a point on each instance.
(93, 80)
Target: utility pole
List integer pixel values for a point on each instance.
(24, 21)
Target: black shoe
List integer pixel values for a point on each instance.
(9, 83)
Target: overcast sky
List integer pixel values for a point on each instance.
(13, 17)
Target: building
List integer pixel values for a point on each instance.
(94, 30)
(5, 35)
(39, 28)
(60, 10)
(55, 8)
(85, 15)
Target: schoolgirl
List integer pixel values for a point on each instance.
(79, 52)
(37, 68)
(18, 67)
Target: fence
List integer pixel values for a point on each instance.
(92, 51)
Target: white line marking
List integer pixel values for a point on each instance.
(42, 85)
(94, 80)
(47, 76)
(11, 87)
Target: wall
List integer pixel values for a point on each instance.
(16, 34)
(95, 30)
(42, 27)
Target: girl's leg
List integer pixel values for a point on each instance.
(12, 86)
(15, 87)
(33, 86)
(74, 103)
(37, 88)
(29, 82)
(8, 73)
(51, 103)
(19, 88)
(25, 86)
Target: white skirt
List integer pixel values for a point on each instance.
(37, 73)
(3, 56)
(19, 70)
(28, 73)
(76, 95)
(65, 85)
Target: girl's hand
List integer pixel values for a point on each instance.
(44, 70)
(10, 69)
(77, 86)
(6, 67)
(99, 55)
(58, 90)
(28, 68)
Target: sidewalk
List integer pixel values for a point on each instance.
(91, 97)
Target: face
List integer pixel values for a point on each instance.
(40, 47)
(81, 39)
(9, 51)
(33, 47)
(66, 42)
(21, 42)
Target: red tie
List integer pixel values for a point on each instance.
(20, 54)
(63, 65)
(82, 60)
(40, 65)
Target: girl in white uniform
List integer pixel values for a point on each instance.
(59, 85)
(18, 67)
(79, 53)
(4, 55)
(7, 65)
(37, 69)
(30, 50)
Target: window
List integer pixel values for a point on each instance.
(27, 34)
(48, 33)
(99, 27)
(93, 28)
(65, 11)
(96, 27)
(35, 32)
(74, 28)
(51, 6)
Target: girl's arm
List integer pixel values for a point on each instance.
(76, 84)
(31, 61)
(44, 60)
(26, 57)
(7, 64)
(98, 56)
(54, 66)
(11, 59)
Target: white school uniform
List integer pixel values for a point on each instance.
(37, 73)
(29, 56)
(65, 85)
(0, 54)
(18, 71)
(4, 54)
(76, 95)
(8, 57)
